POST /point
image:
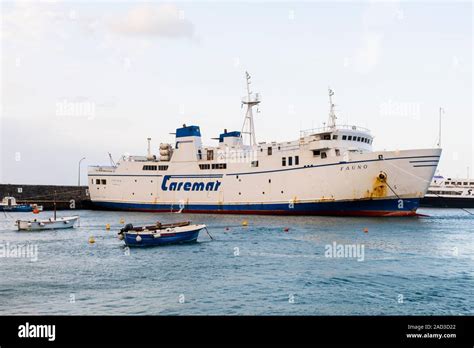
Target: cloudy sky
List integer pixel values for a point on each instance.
(81, 79)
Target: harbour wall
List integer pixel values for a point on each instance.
(66, 197)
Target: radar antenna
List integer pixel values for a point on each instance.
(332, 115)
(250, 100)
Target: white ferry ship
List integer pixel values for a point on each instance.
(327, 171)
(450, 193)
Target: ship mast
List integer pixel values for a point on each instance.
(250, 100)
(441, 111)
(332, 115)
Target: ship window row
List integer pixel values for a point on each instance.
(99, 181)
(323, 154)
(149, 167)
(290, 161)
(355, 138)
(449, 193)
(213, 166)
(465, 183)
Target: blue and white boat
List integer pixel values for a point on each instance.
(160, 234)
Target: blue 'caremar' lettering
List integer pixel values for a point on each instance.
(188, 185)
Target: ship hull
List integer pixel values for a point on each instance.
(379, 207)
(387, 183)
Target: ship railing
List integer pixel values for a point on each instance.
(103, 168)
(306, 132)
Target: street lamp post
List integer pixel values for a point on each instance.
(79, 172)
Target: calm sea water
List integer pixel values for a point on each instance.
(409, 266)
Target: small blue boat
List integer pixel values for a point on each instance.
(160, 234)
(9, 204)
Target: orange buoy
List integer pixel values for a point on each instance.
(366, 230)
(36, 211)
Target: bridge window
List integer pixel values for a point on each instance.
(283, 161)
(327, 137)
(349, 137)
(338, 153)
(254, 164)
(149, 167)
(334, 137)
(269, 151)
(358, 138)
(97, 181)
(219, 166)
(199, 154)
(344, 137)
(103, 182)
(204, 166)
(323, 155)
(297, 160)
(290, 161)
(162, 167)
(316, 153)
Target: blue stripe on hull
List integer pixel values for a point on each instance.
(378, 207)
(18, 208)
(149, 240)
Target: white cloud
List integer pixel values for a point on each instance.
(28, 21)
(147, 20)
(368, 54)
(378, 18)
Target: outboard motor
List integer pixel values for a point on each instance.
(126, 228)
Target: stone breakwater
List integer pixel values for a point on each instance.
(67, 197)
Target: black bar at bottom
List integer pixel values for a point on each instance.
(193, 330)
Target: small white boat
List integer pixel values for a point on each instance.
(47, 224)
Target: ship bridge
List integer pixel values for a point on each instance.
(341, 137)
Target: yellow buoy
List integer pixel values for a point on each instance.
(122, 220)
(91, 240)
(245, 223)
(107, 227)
